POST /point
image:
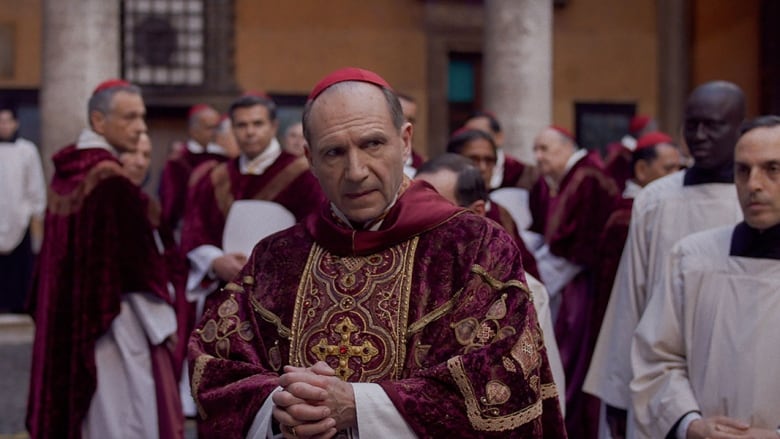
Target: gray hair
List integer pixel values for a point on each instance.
(101, 101)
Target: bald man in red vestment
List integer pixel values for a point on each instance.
(388, 313)
(570, 205)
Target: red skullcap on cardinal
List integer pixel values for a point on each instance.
(110, 83)
(348, 74)
(652, 139)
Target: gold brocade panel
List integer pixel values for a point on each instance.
(352, 313)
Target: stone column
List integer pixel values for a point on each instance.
(517, 79)
(80, 49)
(674, 68)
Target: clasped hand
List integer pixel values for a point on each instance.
(313, 402)
(722, 427)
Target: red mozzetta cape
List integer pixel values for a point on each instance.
(572, 221)
(500, 215)
(518, 174)
(287, 181)
(174, 181)
(435, 300)
(98, 244)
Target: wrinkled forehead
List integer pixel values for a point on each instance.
(763, 141)
(347, 100)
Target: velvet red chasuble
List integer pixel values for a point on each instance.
(99, 244)
(287, 181)
(174, 181)
(433, 307)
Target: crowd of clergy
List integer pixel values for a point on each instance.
(628, 291)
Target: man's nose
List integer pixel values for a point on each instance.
(356, 166)
(755, 180)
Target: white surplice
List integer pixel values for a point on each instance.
(664, 212)
(709, 340)
(124, 405)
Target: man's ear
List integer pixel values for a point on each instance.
(97, 121)
(640, 172)
(478, 207)
(407, 130)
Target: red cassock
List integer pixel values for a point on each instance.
(610, 249)
(174, 181)
(518, 174)
(572, 221)
(502, 216)
(98, 244)
(618, 164)
(287, 181)
(433, 307)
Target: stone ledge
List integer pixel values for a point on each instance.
(16, 329)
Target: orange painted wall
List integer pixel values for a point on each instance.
(726, 45)
(286, 47)
(25, 17)
(604, 50)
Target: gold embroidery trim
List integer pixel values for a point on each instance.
(478, 421)
(397, 332)
(234, 287)
(497, 284)
(549, 390)
(293, 332)
(197, 376)
(270, 317)
(403, 320)
(434, 315)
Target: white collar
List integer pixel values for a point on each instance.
(259, 164)
(632, 189)
(498, 169)
(91, 139)
(576, 157)
(629, 142)
(374, 227)
(573, 159)
(196, 148)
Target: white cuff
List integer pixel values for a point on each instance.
(157, 317)
(261, 427)
(685, 422)
(554, 270)
(377, 415)
(200, 259)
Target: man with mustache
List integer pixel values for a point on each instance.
(667, 210)
(706, 349)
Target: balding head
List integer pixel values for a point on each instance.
(203, 124)
(713, 115)
(357, 143)
(552, 150)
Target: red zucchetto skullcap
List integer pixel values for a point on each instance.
(348, 74)
(111, 83)
(563, 131)
(197, 108)
(638, 123)
(651, 139)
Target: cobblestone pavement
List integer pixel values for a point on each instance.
(16, 334)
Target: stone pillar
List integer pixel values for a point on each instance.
(80, 49)
(517, 79)
(674, 68)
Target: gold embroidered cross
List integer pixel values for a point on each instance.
(345, 350)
